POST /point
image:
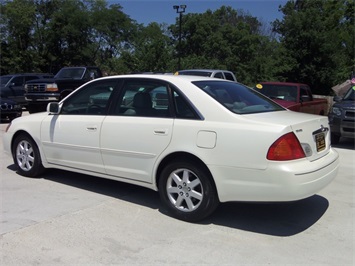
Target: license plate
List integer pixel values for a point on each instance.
(320, 141)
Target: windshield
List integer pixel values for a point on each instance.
(350, 95)
(283, 92)
(238, 98)
(4, 80)
(70, 73)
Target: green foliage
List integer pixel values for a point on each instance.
(313, 43)
(317, 40)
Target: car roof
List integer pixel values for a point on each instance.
(165, 77)
(26, 74)
(205, 70)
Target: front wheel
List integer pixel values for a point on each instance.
(26, 156)
(187, 191)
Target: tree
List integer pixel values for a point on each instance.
(315, 36)
(227, 39)
(43, 35)
(16, 23)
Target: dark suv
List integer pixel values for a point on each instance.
(342, 116)
(12, 86)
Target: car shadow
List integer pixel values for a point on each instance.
(345, 143)
(277, 219)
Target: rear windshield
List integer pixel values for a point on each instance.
(276, 91)
(238, 98)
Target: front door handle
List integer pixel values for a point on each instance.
(91, 128)
(160, 131)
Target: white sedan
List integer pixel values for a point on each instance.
(198, 141)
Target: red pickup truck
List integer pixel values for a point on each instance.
(293, 96)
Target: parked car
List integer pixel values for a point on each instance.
(296, 97)
(208, 141)
(213, 73)
(9, 109)
(342, 116)
(12, 86)
(38, 93)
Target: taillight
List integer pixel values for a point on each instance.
(287, 147)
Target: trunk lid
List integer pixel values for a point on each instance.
(312, 131)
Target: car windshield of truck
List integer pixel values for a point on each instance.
(4, 80)
(350, 95)
(238, 98)
(70, 73)
(282, 92)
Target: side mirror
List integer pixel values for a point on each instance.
(53, 108)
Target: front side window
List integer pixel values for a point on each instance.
(238, 98)
(17, 81)
(92, 99)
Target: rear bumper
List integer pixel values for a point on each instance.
(280, 182)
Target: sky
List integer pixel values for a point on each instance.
(161, 11)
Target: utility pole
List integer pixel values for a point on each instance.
(180, 9)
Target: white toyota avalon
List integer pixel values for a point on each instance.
(198, 141)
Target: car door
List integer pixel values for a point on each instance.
(306, 100)
(72, 138)
(16, 86)
(138, 131)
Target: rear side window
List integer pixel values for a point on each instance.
(152, 98)
(238, 98)
(229, 76)
(218, 75)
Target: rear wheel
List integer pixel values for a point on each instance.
(26, 156)
(187, 191)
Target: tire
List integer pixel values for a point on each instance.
(26, 156)
(187, 191)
